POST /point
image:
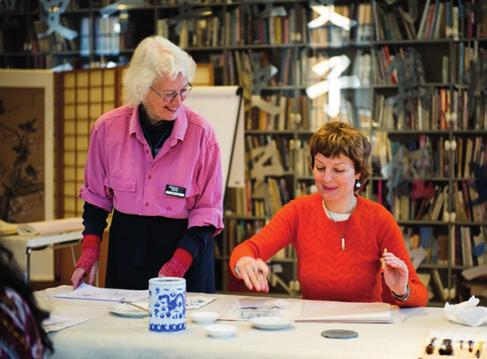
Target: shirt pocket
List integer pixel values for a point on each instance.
(192, 195)
(120, 185)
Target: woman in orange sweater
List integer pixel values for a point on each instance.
(342, 240)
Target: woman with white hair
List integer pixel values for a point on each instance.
(156, 163)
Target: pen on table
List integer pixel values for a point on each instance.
(123, 301)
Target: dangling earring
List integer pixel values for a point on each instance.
(357, 184)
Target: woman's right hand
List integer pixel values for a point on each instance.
(88, 262)
(253, 272)
(79, 273)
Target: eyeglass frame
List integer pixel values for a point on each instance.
(170, 97)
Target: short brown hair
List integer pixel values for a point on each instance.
(337, 138)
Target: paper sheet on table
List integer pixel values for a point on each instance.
(251, 307)
(345, 312)
(58, 322)
(50, 227)
(197, 302)
(89, 292)
(67, 313)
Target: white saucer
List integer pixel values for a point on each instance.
(221, 330)
(125, 310)
(204, 317)
(271, 323)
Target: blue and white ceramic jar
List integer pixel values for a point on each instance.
(167, 301)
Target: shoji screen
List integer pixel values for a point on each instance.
(82, 97)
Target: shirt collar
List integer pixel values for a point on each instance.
(178, 131)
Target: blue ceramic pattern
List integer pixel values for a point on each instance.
(169, 312)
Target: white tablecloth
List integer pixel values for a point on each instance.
(109, 336)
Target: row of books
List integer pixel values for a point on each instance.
(469, 206)
(238, 27)
(258, 198)
(438, 109)
(468, 245)
(256, 70)
(106, 36)
(430, 207)
(276, 112)
(331, 35)
(240, 230)
(470, 157)
(438, 20)
(204, 32)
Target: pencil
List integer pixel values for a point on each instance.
(383, 264)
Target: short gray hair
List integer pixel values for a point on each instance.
(155, 56)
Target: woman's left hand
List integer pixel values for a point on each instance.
(396, 273)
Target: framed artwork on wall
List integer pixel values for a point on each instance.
(26, 145)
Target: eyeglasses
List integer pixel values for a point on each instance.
(170, 96)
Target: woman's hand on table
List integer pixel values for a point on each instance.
(253, 272)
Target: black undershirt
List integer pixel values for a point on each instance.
(155, 133)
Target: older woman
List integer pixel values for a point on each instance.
(342, 240)
(156, 163)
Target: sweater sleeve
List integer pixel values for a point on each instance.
(278, 233)
(195, 239)
(390, 237)
(94, 220)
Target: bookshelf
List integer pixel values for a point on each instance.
(439, 209)
(248, 41)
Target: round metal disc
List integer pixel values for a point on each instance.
(339, 334)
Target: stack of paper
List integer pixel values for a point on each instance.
(345, 312)
(89, 292)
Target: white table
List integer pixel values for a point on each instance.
(109, 336)
(28, 244)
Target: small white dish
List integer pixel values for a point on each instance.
(204, 317)
(271, 323)
(125, 310)
(221, 330)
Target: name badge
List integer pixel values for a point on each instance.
(175, 191)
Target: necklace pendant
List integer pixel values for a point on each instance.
(343, 244)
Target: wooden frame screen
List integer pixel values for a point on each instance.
(83, 96)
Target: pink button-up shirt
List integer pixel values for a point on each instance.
(183, 181)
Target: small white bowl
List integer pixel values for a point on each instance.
(271, 323)
(221, 330)
(204, 317)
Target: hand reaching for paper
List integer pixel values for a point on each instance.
(87, 264)
(396, 273)
(254, 273)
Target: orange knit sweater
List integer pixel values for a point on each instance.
(325, 272)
